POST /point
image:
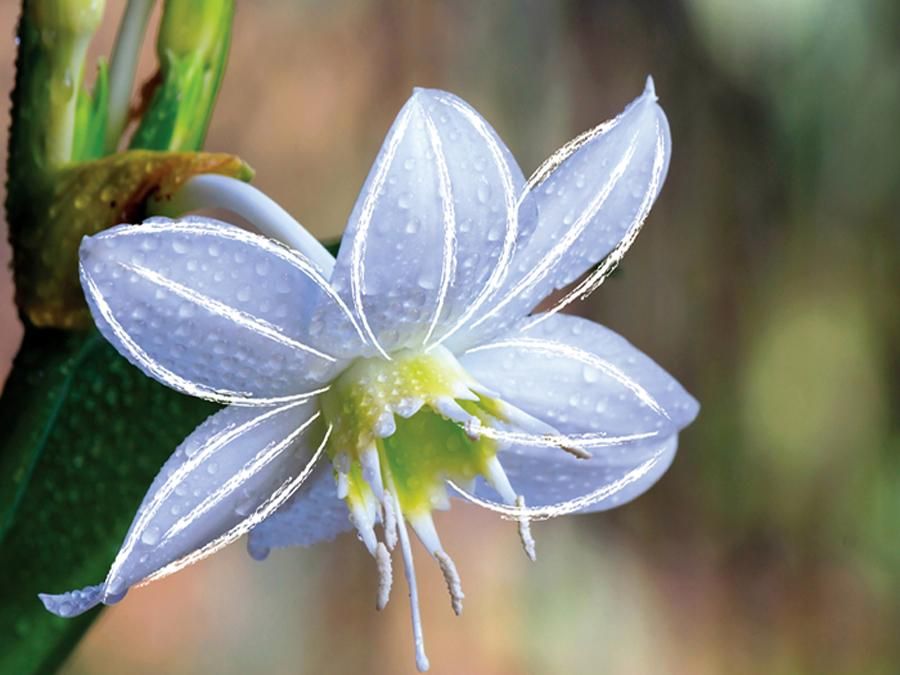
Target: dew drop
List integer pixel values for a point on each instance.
(150, 536)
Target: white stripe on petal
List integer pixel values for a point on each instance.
(278, 498)
(360, 241)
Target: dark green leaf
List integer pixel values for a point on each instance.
(84, 433)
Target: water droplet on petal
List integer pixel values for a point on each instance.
(150, 536)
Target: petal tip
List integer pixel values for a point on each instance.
(73, 603)
(650, 89)
(87, 244)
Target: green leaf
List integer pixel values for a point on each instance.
(84, 433)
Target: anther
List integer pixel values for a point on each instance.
(385, 576)
(473, 429)
(390, 521)
(451, 577)
(452, 410)
(423, 525)
(575, 451)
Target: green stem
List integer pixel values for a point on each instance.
(123, 65)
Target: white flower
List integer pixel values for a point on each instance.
(363, 392)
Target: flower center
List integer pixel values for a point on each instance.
(400, 429)
(417, 417)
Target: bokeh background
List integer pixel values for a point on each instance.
(767, 280)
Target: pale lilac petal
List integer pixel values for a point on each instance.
(582, 379)
(435, 225)
(314, 514)
(210, 309)
(592, 197)
(554, 483)
(233, 471)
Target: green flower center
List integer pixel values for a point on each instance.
(411, 412)
(399, 430)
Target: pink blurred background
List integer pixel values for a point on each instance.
(770, 546)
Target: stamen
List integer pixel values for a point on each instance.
(371, 471)
(440, 501)
(410, 571)
(497, 479)
(451, 576)
(473, 429)
(480, 389)
(342, 468)
(532, 425)
(453, 411)
(525, 532)
(524, 421)
(575, 451)
(464, 393)
(409, 407)
(390, 522)
(385, 576)
(385, 425)
(423, 525)
(363, 518)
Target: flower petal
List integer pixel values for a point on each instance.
(584, 380)
(435, 225)
(312, 515)
(210, 309)
(593, 196)
(233, 471)
(554, 483)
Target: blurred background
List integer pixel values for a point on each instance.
(767, 280)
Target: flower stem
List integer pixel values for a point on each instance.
(123, 65)
(212, 191)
